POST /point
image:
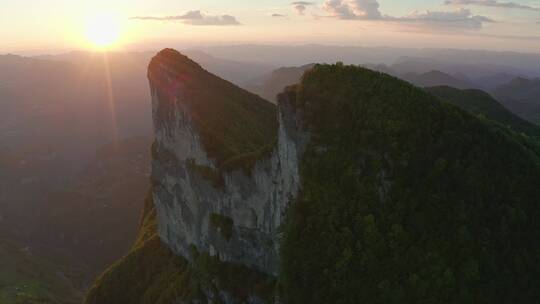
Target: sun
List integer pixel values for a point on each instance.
(103, 31)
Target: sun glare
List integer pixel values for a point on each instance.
(103, 31)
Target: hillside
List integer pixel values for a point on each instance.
(269, 86)
(437, 78)
(481, 103)
(95, 217)
(410, 197)
(406, 199)
(30, 278)
(521, 96)
(69, 232)
(396, 197)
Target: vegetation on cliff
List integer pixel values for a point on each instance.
(223, 224)
(233, 124)
(407, 199)
(152, 274)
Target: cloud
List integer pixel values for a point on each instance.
(492, 3)
(353, 9)
(278, 15)
(194, 18)
(511, 37)
(370, 10)
(301, 6)
(462, 18)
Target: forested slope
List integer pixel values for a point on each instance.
(407, 199)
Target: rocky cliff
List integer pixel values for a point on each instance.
(203, 201)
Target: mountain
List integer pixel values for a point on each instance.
(269, 86)
(236, 71)
(70, 230)
(29, 277)
(490, 82)
(298, 55)
(375, 191)
(211, 137)
(437, 78)
(72, 107)
(524, 62)
(57, 115)
(474, 63)
(400, 191)
(474, 68)
(481, 103)
(95, 217)
(521, 96)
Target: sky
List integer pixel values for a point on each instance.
(58, 25)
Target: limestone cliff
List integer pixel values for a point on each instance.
(207, 202)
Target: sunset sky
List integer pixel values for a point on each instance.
(57, 25)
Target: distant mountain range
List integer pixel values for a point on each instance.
(521, 96)
(268, 86)
(518, 94)
(437, 78)
(481, 103)
(474, 63)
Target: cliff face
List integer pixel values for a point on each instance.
(231, 211)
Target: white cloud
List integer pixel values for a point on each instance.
(370, 10)
(462, 18)
(492, 3)
(301, 6)
(353, 9)
(194, 18)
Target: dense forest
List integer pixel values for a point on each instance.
(407, 199)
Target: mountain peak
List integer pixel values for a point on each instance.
(174, 62)
(229, 120)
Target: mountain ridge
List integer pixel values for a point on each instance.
(481, 103)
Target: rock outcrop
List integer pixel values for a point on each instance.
(235, 212)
